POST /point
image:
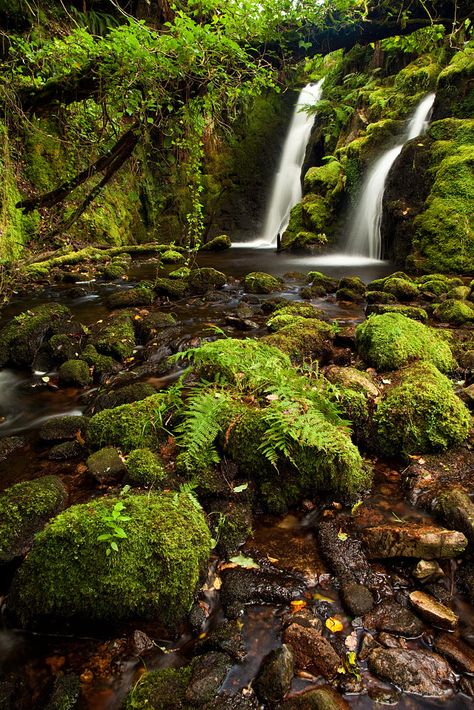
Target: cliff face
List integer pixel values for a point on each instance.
(428, 211)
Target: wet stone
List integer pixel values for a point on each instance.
(323, 698)
(428, 542)
(312, 652)
(66, 450)
(9, 445)
(226, 638)
(66, 693)
(256, 587)
(357, 599)
(391, 616)
(421, 672)
(345, 557)
(427, 570)
(434, 612)
(141, 643)
(63, 428)
(456, 651)
(207, 676)
(456, 509)
(275, 675)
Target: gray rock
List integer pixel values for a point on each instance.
(433, 611)
(421, 672)
(391, 616)
(428, 542)
(275, 675)
(312, 652)
(106, 465)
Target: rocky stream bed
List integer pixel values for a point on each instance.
(353, 593)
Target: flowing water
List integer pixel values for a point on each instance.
(286, 190)
(365, 235)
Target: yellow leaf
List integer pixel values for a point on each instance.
(297, 605)
(334, 625)
(273, 560)
(321, 598)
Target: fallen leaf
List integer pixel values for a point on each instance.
(297, 605)
(321, 598)
(243, 561)
(79, 438)
(239, 489)
(334, 625)
(273, 560)
(351, 642)
(342, 536)
(305, 675)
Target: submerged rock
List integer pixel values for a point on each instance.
(152, 572)
(427, 542)
(208, 672)
(25, 508)
(421, 672)
(250, 586)
(311, 651)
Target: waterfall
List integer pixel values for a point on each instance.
(286, 190)
(365, 235)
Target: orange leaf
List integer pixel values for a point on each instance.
(297, 605)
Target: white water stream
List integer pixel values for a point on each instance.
(286, 191)
(365, 234)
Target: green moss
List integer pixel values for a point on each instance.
(420, 414)
(347, 294)
(116, 337)
(153, 574)
(181, 273)
(144, 468)
(316, 278)
(408, 311)
(454, 311)
(284, 315)
(102, 364)
(316, 214)
(402, 289)
(25, 508)
(353, 283)
(130, 426)
(434, 286)
(206, 279)
(12, 222)
(324, 180)
(379, 297)
(163, 689)
(301, 339)
(260, 282)
(64, 347)
(172, 257)
(142, 295)
(461, 293)
(303, 240)
(457, 130)
(74, 372)
(391, 340)
(418, 76)
(219, 243)
(454, 87)
(21, 339)
(173, 288)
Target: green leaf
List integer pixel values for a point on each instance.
(114, 546)
(243, 561)
(239, 489)
(105, 536)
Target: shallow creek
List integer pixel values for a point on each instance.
(104, 660)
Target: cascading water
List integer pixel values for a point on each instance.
(365, 235)
(286, 191)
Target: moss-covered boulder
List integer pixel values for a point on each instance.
(206, 279)
(305, 240)
(172, 288)
(144, 468)
(409, 311)
(142, 295)
(284, 315)
(163, 689)
(74, 372)
(402, 289)
(152, 573)
(65, 346)
(324, 180)
(260, 282)
(454, 311)
(355, 394)
(22, 338)
(106, 465)
(318, 279)
(63, 428)
(392, 340)
(25, 508)
(101, 364)
(130, 426)
(454, 96)
(171, 256)
(420, 413)
(116, 337)
(219, 243)
(379, 297)
(302, 338)
(124, 395)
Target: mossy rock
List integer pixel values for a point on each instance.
(328, 462)
(302, 338)
(102, 364)
(206, 279)
(324, 180)
(153, 573)
(25, 508)
(353, 283)
(117, 269)
(420, 413)
(64, 346)
(63, 428)
(454, 95)
(408, 311)
(305, 240)
(460, 293)
(379, 297)
(116, 337)
(66, 693)
(454, 311)
(21, 339)
(149, 325)
(316, 278)
(124, 395)
(219, 243)
(75, 372)
(144, 468)
(130, 426)
(434, 286)
(170, 256)
(260, 282)
(140, 296)
(182, 273)
(106, 465)
(172, 288)
(402, 289)
(285, 314)
(163, 689)
(391, 340)
(418, 76)
(316, 214)
(347, 294)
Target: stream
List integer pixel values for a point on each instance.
(105, 659)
